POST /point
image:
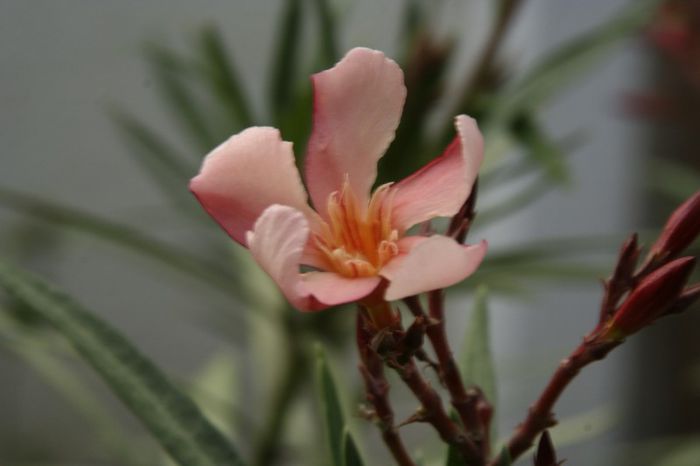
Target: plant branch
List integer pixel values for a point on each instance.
(540, 416)
(434, 413)
(377, 391)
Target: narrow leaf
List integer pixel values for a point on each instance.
(286, 57)
(121, 235)
(523, 198)
(331, 411)
(504, 458)
(566, 62)
(351, 455)
(157, 158)
(48, 361)
(541, 148)
(343, 450)
(172, 418)
(169, 72)
(477, 361)
(327, 26)
(223, 80)
(675, 180)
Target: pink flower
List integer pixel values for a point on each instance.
(354, 239)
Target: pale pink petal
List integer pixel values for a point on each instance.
(357, 107)
(330, 288)
(435, 263)
(277, 244)
(440, 188)
(243, 176)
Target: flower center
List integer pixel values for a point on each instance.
(357, 242)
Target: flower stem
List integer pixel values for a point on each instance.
(540, 416)
(377, 392)
(434, 413)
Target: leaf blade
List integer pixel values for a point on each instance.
(331, 410)
(121, 235)
(173, 419)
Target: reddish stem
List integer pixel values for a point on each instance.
(540, 416)
(377, 389)
(434, 413)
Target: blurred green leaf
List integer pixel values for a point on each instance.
(476, 360)
(121, 235)
(222, 76)
(541, 148)
(351, 455)
(515, 202)
(585, 426)
(328, 29)
(504, 458)
(157, 158)
(286, 57)
(560, 67)
(674, 180)
(43, 357)
(172, 418)
(524, 273)
(169, 72)
(215, 390)
(332, 412)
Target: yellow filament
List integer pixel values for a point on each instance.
(358, 242)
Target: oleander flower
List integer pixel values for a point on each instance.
(352, 240)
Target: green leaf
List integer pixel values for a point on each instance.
(121, 235)
(157, 159)
(222, 77)
(476, 359)
(340, 443)
(48, 360)
(169, 72)
(560, 67)
(541, 148)
(675, 180)
(286, 57)
(172, 418)
(351, 455)
(504, 458)
(517, 202)
(586, 426)
(328, 28)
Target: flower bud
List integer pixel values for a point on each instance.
(545, 455)
(688, 297)
(681, 229)
(650, 299)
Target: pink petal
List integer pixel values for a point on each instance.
(357, 107)
(435, 263)
(243, 176)
(277, 243)
(440, 188)
(331, 289)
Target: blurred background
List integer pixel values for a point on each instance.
(590, 112)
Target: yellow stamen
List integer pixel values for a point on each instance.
(357, 242)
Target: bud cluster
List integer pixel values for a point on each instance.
(658, 288)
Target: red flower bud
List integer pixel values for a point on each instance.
(650, 299)
(545, 456)
(681, 229)
(688, 297)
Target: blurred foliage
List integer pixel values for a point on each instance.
(204, 95)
